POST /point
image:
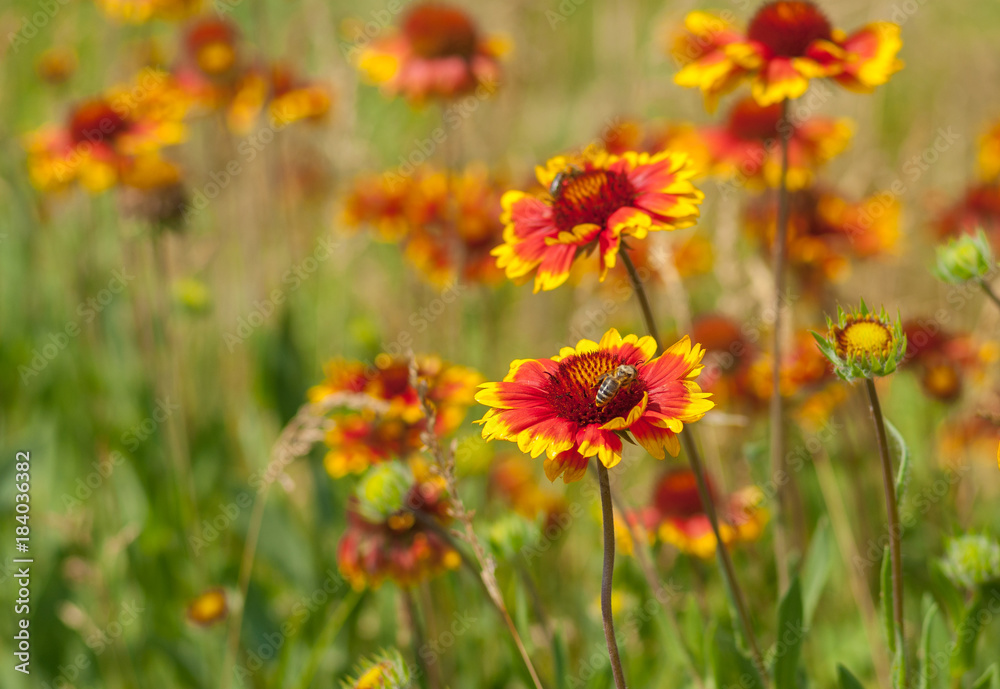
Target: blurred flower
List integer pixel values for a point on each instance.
(965, 258)
(360, 438)
(787, 43)
(988, 160)
(978, 209)
(387, 670)
(728, 355)
(552, 406)
(510, 534)
(437, 53)
(677, 515)
(208, 608)
(152, 190)
(103, 135)
(192, 294)
(594, 201)
(447, 223)
(293, 99)
(826, 230)
(968, 437)
(56, 65)
(972, 560)
(141, 11)
(513, 478)
(941, 360)
(405, 546)
(804, 369)
(862, 344)
(747, 148)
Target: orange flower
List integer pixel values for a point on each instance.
(56, 65)
(804, 369)
(594, 201)
(405, 547)
(677, 515)
(747, 147)
(102, 135)
(942, 360)
(788, 43)
(208, 608)
(825, 230)
(447, 223)
(438, 53)
(988, 159)
(358, 439)
(293, 100)
(561, 406)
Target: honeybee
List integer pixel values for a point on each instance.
(609, 384)
(561, 177)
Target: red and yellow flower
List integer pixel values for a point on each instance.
(438, 52)
(748, 146)
(598, 200)
(513, 479)
(103, 135)
(978, 208)
(787, 43)
(550, 405)
(293, 99)
(358, 439)
(677, 515)
(405, 547)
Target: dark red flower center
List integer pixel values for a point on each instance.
(751, 122)
(572, 390)
(591, 196)
(789, 27)
(436, 31)
(96, 121)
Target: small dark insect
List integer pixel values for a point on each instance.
(611, 382)
(562, 176)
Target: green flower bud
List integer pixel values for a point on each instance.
(509, 534)
(383, 490)
(963, 259)
(386, 670)
(972, 560)
(862, 344)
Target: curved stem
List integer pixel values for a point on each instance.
(608, 518)
(696, 467)
(777, 403)
(990, 293)
(891, 508)
(691, 450)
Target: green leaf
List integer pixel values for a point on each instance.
(963, 656)
(816, 569)
(903, 451)
(945, 592)
(730, 666)
(885, 593)
(846, 680)
(934, 648)
(791, 632)
(989, 679)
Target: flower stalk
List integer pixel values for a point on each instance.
(892, 510)
(777, 410)
(691, 450)
(608, 518)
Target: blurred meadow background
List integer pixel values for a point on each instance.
(149, 360)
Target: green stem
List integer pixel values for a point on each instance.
(990, 293)
(777, 410)
(892, 510)
(696, 467)
(326, 637)
(608, 517)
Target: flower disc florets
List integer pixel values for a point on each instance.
(862, 344)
